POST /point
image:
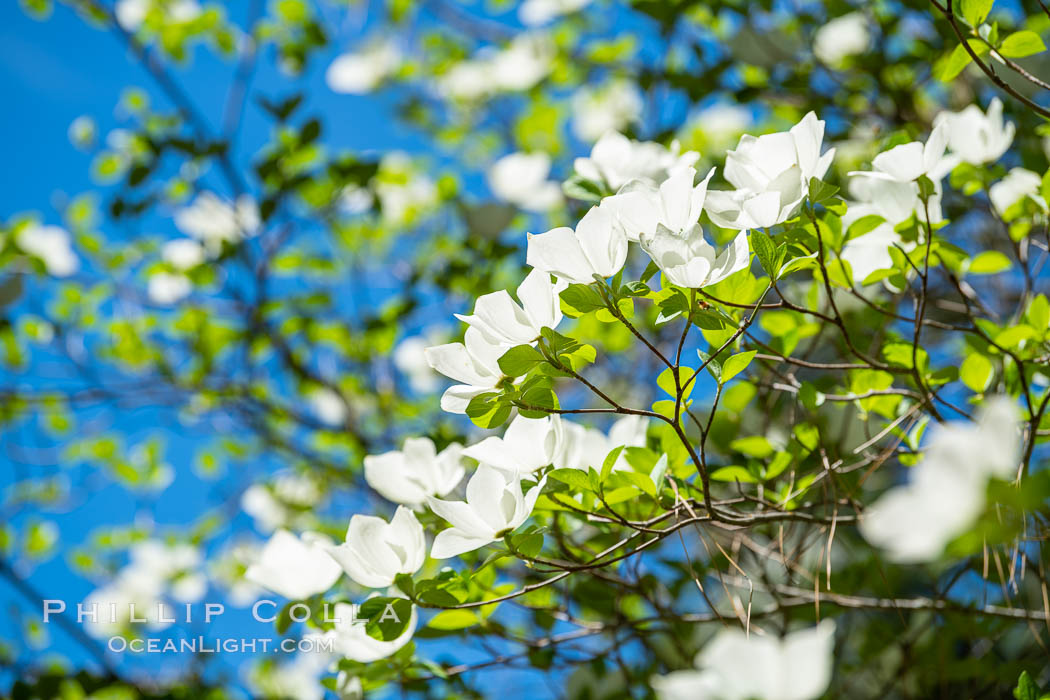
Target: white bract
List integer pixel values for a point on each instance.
(910, 161)
(588, 447)
(616, 160)
(376, 551)
(738, 666)
(131, 14)
(1018, 184)
(893, 201)
(410, 359)
(83, 132)
(166, 288)
(416, 471)
(474, 363)
(946, 493)
(771, 175)
(843, 36)
(528, 444)
(521, 179)
(975, 137)
(598, 246)
(404, 192)
(183, 253)
(533, 13)
(362, 72)
(495, 506)
(676, 204)
(294, 567)
(688, 260)
(52, 245)
(720, 124)
(600, 109)
(518, 66)
(503, 322)
(352, 641)
(213, 221)
(328, 406)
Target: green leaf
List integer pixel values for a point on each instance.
(765, 251)
(575, 478)
(487, 410)
(642, 481)
(578, 188)
(1021, 44)
(519, 360)
(977, 372)
(989, 263)
(954, 63)
(610, 461)
(713, 365)
(582, 297)
(387, 617)
(1026, 688)
(734, 473)
(753, 446)
(820, 191)
(736, 364)
(666, 381)
(454, 620)
(539, 398)
(975, 11)
(580, 357)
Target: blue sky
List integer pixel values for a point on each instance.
(55, 71)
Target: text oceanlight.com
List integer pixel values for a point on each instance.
(232, 645)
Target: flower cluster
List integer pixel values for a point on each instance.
(650, 198)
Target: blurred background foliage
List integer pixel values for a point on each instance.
(258, 378)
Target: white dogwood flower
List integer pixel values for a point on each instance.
(518, 66)
(52, 245)
(610, 107)
(1017, 184)
(213, 221)
(376, 551)
(416, 471)
(975, 137)
(771, 175)
(328, 406)
(841, 37)
(914, 522)
(736, 665)
(534, 13)
(352, 641)
(676, 203)
(495, 506)
(503, 322)
(616, 160)
(183, 253)
(165, 288)
(910, 161)
(521, 179)
(474, 363)
(410, 359)
(719, 125)
(598, 246)
(688, 260)
(295, 567)
(131, 14)
(362, 72)
(588, 447)
(893, 201)
(528, 444)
